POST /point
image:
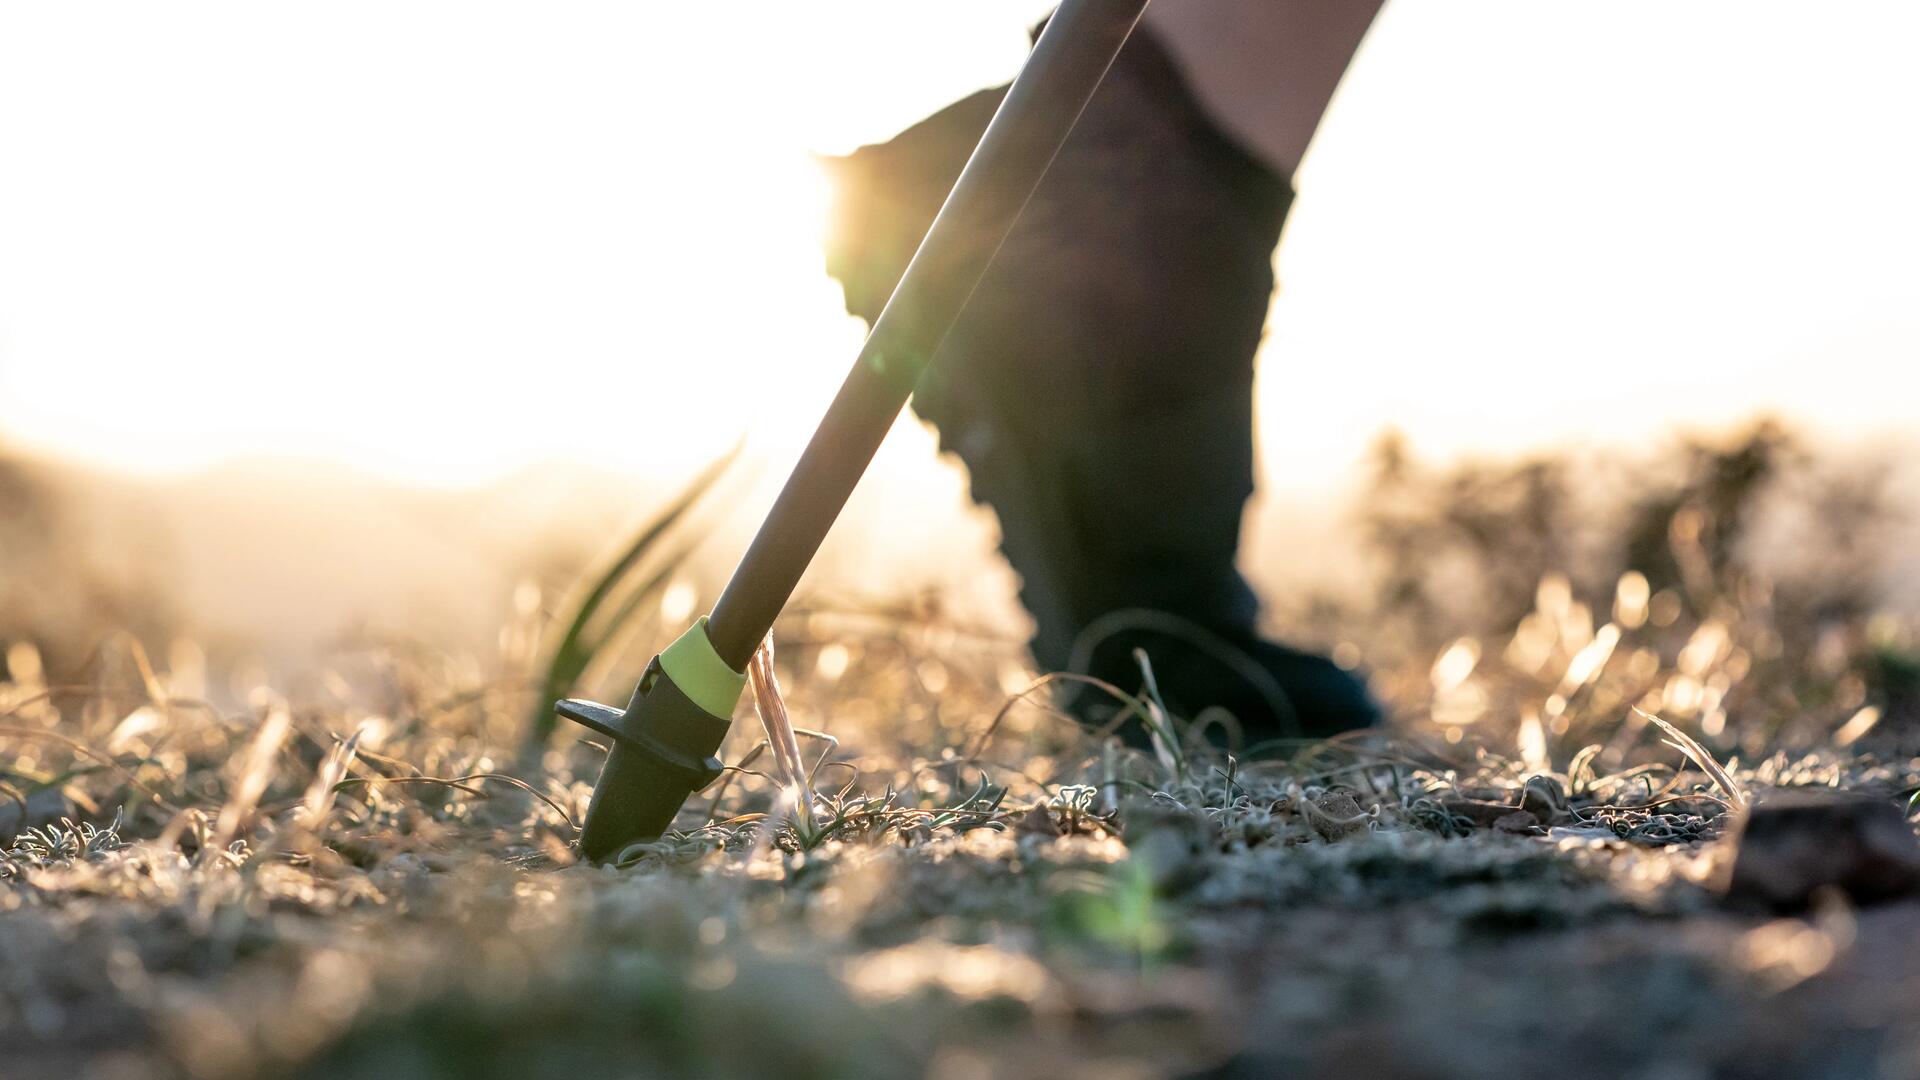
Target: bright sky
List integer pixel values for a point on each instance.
(446, 239)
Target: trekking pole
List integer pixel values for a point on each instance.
(662, 744)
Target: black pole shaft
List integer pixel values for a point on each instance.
(1072, 55)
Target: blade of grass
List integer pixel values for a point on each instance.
(1700, 756)
(603, 633)
(575, 651)
(772, 707)
(1166, 744)
(319, 797)
(253, 778)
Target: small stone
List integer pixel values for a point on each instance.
(406, 863)
(1037, 822)
(1519, 823)
(1335, 814)
(1543, 797)
(1797, 842)
(1583, 834)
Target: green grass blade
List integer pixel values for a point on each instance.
(577, 645)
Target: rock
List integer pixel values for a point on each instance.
(1797, 842)
(1541, 802)
(1037, 822)
(44, 807)
(1519, 823)
(407, 863)
(1335, 814)
(1543, 797)
(1583, 834)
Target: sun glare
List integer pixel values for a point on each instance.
(448, 267)
(809, 196)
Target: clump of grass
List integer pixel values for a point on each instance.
(64, 843)
(612, 596)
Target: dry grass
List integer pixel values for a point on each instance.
(1517, 875)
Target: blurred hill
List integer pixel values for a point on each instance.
(275, 560)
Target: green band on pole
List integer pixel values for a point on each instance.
(700, 673)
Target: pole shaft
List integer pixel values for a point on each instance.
(1073, 53)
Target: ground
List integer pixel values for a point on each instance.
(1524, 873)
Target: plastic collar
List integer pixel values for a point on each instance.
(700, 673)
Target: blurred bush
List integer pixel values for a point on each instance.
(1754, 514)
(1754, 562)
(54, 592)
